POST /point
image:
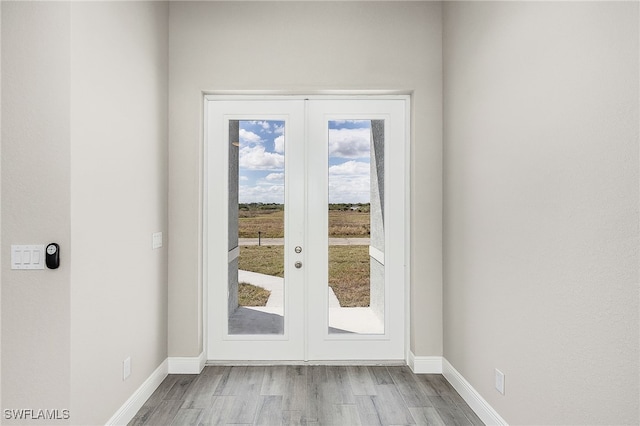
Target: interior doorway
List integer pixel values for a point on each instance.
(306, 207)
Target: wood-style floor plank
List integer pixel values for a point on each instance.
(293, 418)
(361, 380)
(219, 410)
(269, 411)
(201, 391)
(367, 410)
(473, 417)
(381, 375)
(345, 414)
(180, 387)
(164, 413)
(453, 416)
(426, 416)
(338, 381)
(275, 381)
(188, 417)
(390, 406)
(295, 391)
(305, 395)
(408, 387)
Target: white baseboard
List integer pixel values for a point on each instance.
(425, 364)
(140, 396)
(477, 403)
(187, 365)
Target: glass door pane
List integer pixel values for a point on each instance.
(256, 227)
(356, 226)
(356, 210)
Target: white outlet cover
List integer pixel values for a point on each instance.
(157, 240)
(126, 368)
(500, 381)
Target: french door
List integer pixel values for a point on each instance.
(305, 228)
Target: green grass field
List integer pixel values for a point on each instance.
(270, 223)
(348, 265)
(348, 269)
(251, 295)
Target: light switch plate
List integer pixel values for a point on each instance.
(157, 240)
(27, 257)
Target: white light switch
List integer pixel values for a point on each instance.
(157, 240)
(27, 256)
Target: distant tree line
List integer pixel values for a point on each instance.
(260, 206)
(359, 207)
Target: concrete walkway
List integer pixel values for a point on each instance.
(276, 286)
(280, 241)
(269, 319)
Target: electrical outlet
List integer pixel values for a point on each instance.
(126, 368)
(500, 381)
(157, 240)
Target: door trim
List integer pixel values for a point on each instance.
(258, 95)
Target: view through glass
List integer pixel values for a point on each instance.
(256, 227)
(355, 229)
(356, 226)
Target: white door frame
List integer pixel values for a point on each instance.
(262, 96)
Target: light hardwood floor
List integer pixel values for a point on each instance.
(305, 395)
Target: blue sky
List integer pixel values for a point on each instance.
(262, 151)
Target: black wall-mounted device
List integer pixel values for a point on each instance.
(52, 256)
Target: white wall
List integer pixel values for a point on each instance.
(541, 207)
(118, 199)
(84, 163)
(35, 203)
(303, 47)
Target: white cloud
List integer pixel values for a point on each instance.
(264, 124)
(256, 158)
(349, 189)
(262, 194)
(349, 143)
(351, 168)
(249, 137)
(278, 129)
(275, 177)
(243, 178)
(279, 144)
(351, 121)
(349, 182)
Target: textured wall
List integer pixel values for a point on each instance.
(541, 207)
(305, 47)
(234, 191)
(376, 269)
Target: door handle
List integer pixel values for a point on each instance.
(298, 264)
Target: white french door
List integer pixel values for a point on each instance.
(305, 228)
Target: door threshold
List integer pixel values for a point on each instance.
(244, 363)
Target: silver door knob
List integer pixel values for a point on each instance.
(298, 264)
(298, 249)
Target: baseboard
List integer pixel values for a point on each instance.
(477, 403)
(425, 364)
(187, 365)
(140, 396)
